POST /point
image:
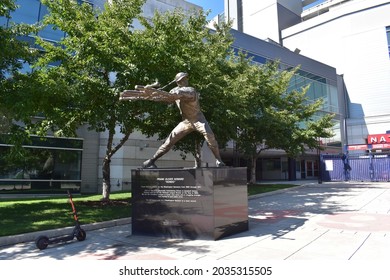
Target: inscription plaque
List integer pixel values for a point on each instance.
(191, 203)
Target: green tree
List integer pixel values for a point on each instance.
(81, 88)
(276, 117)
(101, 44)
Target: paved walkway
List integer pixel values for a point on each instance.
(330, 221)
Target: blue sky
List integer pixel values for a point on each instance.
(216, 6)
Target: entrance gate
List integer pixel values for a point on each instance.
(371, 167)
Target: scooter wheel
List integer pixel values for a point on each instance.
(41, 242)
(81, 235)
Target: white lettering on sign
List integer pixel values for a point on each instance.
(378, 138)
(382, 139)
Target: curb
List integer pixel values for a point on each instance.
(31, 236)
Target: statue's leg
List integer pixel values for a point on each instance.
(204, 128)
(181, 130)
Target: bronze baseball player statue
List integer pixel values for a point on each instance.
(187, 99)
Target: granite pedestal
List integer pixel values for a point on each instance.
(196, 203)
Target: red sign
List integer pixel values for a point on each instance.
(357, 147)
(381, 146)
(378, 138)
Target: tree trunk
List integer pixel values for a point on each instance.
(253, 170)
(106, 169)
(106, 178)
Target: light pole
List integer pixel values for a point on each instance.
(319, 162)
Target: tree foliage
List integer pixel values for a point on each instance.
(80, 87)
(275, 116)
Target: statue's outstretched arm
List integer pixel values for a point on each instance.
(148, 93)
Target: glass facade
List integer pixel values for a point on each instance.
(28, 11)
(43, 163)
(46, 163)
(319, 88)
(31, 12)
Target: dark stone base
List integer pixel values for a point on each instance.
(201, 203)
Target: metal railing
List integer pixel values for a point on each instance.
(365, 167)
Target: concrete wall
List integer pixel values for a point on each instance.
(352, 38)
(89, 161)
(263, 19)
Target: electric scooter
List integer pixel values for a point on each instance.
(43, 241)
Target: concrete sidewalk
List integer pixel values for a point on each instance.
(330, 221)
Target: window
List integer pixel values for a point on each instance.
(3, 22)
(272, 164)
(47, 163)
(27, 11)
(388, 39)
(255, 57)
(49, 33)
